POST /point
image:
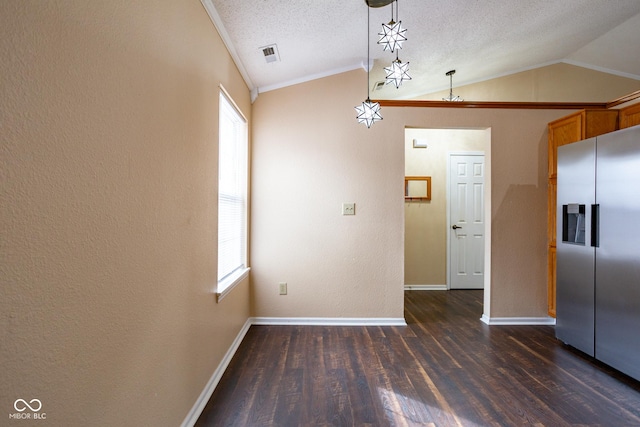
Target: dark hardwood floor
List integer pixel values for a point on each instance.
(446, 368)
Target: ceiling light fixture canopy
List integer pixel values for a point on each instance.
(378, 3)
(451, 97)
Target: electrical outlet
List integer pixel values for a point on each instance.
(283, 288)
(348, 209)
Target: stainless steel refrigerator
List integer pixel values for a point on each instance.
(598, 248)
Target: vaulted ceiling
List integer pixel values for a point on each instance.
(480, 39)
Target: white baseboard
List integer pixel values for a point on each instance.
(547, 321)
(425, 287)
(204, 397)
(329, 321)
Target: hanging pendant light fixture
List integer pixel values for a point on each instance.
(392, 35)
(451, 97)
(397, 72)
(368, 112)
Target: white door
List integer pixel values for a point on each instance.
(466, 221)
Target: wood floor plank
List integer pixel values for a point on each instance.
(288, 405)
(446, 368)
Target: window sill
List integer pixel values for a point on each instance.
(225, 287)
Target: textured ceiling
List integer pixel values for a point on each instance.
(480, 39)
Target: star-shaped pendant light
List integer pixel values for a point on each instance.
(392, 35)
(397, 73)
(368, 112)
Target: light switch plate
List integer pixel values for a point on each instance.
(282, 287)
(348, 209)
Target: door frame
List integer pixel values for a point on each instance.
(487, 219)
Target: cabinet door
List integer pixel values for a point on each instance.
(552, 192)
(551, 295)
(630, 116)
(561, 132)
(599, 122)
(564, 131)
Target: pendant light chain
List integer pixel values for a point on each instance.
(397, 72)
(368, 49)
(392, 17)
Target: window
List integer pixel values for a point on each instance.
(232, 196)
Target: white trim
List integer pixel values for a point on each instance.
(310, 77)
(253, 89)
(548, 321)
(425, 287)
(329, 321)
(204, 397)
(227, 286)
(228, 97)
(488, 177)
(601, 69)
(217, 23)
(367, 65)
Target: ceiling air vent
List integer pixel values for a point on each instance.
(378, 85)
(270, 53)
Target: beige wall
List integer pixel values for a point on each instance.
(109, 169)
(425, 244)
(553, 83)
(310, 155)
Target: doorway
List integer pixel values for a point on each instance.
(427, 223)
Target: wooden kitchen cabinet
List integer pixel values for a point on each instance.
(576, 127)
(630, 116)
(551, 294)
(566, 130)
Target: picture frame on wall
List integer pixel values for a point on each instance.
(417, 188)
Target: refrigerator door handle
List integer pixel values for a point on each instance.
(595, 225)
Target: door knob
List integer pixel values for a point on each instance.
(455, 227)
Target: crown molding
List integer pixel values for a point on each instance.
(226, 39)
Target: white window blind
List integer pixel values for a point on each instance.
(232, 194)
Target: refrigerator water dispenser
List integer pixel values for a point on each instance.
(573, 226)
